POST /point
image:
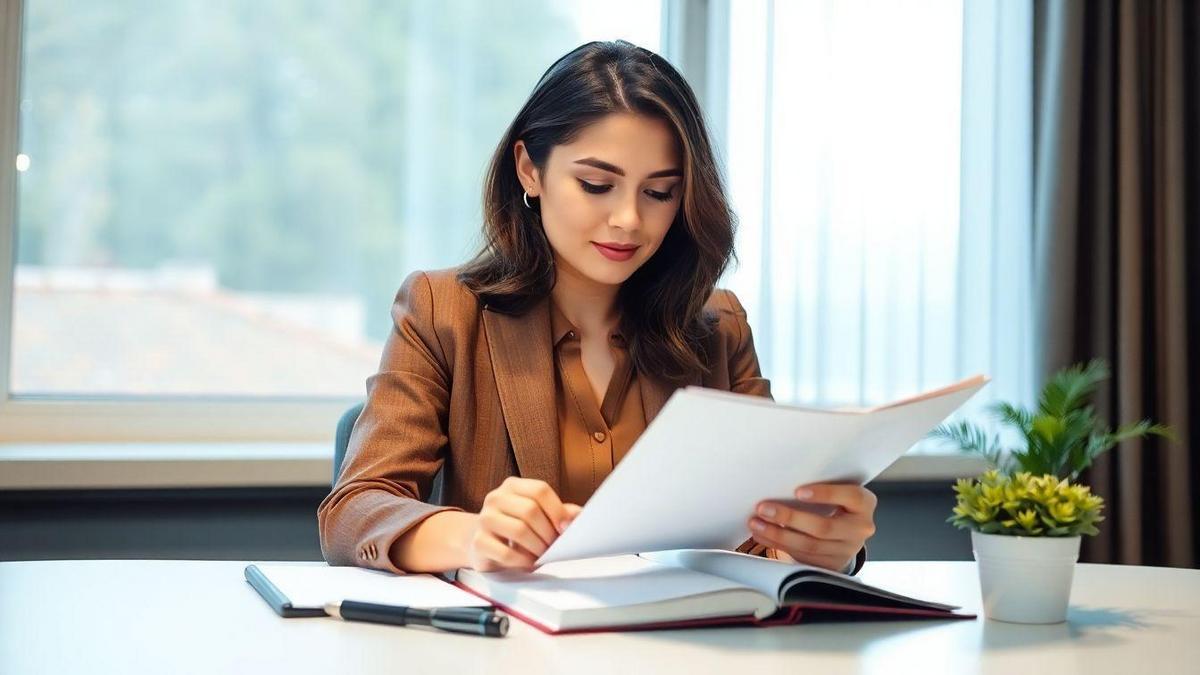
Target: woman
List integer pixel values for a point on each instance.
(531, 371)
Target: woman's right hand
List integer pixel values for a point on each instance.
(524, 512)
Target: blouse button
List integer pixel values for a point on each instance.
(599, 436)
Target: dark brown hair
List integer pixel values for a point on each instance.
(662, 303)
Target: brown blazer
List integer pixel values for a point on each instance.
(472, 387)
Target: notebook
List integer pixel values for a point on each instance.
(302, 589)
(688, 588)
(718, 454)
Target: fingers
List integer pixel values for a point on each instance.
(518, 522)
(572, 513)
(543, 494)
(506, 527)
(847, 527)
(501, 556)
(798, 544)
(527, 513)
(851, 497)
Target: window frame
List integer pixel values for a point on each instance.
(11, 25)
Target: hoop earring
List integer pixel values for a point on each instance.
(525, 198)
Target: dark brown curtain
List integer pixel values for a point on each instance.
(1117, 249)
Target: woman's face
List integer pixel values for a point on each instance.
(608, 197)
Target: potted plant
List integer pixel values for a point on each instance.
(1026, 514)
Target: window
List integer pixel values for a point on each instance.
(217, 200)
(220, 199)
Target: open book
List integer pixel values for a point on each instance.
(685, 588)
(695, 475)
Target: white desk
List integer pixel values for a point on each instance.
(202, 617)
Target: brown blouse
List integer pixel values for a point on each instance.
(593, 436)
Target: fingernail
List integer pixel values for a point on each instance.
(756, 525)
(803, 493)
(767, 510)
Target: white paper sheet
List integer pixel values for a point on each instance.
(693, 478)
(310, 585)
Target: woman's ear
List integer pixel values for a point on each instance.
(527, 171)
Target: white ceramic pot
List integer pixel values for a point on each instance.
(1025, 579)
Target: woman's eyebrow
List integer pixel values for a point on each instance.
(611, 168)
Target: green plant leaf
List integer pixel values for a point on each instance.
(1014, 416)
(1061, 437)
(1071, 387)
(970, 439)
(1026, 505)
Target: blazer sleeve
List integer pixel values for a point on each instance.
(745, 377)
(398, 442)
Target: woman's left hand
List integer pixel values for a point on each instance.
(829, 541)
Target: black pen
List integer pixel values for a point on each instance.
(476, 620)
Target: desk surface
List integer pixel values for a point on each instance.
(134, 616)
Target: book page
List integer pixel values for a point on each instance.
(616, 590)
(597, 582)
(693, 478)
(787, 582)
(765, 575)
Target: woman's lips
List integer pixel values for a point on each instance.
(618, 254)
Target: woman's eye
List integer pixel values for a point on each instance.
(594, 189)
(601, 189)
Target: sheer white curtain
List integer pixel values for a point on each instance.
(877, 155)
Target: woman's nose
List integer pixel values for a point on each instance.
(625, 215)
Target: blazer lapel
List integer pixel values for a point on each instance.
(523, 365)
